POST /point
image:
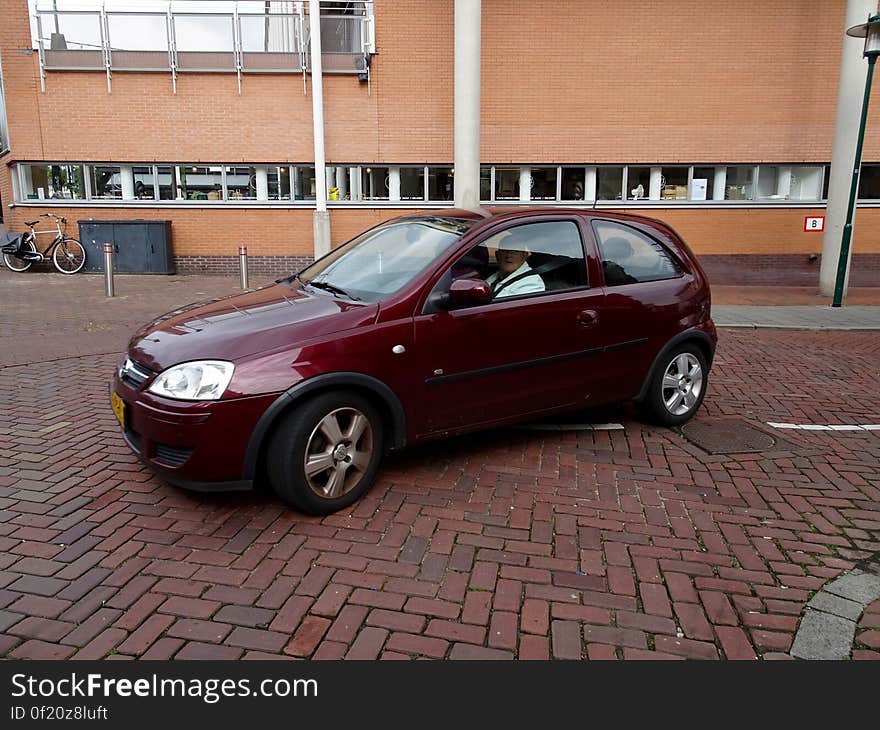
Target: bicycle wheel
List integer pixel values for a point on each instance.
(16, 264)
(69, 256)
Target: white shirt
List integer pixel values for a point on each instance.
(526, 285)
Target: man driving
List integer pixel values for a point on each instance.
(514, 275)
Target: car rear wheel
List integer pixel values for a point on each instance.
(677, 387)
(324, 455)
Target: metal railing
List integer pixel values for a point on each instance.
(180, 42)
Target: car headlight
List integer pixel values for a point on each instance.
(200, 380)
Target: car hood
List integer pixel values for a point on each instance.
(239, 325)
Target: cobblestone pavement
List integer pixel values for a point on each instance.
(867, 641)
(529, 544)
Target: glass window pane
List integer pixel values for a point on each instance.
(806, 183)
(143, 182)
(279, 182)
(543, 183)
(739, 183)
(166, 182)
(674, 183)
(203, 32)
(412, 183)
(826, 179)
(629, 256)
(304, 183)
(241, 183)
(573, 183)
(869, 182)
(609, 183)
(374, 183)
(106, 181)
(769, 178)
(53, 182)
(486, 183)
(704, 178)
(200, 182)
(638, 180)
(441, 183)
(506, 183)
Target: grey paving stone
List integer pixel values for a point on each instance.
(857, 586)
(829, 603)
(798, 317)
(823, 636)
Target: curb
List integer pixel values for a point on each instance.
(828, 627)
(813, 328)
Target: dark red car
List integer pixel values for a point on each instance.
(422, 327)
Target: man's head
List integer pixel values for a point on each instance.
(512, 252)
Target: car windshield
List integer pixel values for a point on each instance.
(383, 260)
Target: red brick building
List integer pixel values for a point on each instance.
(716, 117)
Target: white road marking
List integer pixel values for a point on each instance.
(818, 427)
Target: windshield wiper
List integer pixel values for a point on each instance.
(332, 288)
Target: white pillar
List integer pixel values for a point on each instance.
(467, 103)
(719, 185)
(590, 184)
(262, 182)
(322, 217)
(178, 183)
(126, 179)
(354, 182)
(654, 183)
(783, 182)
(525, 184)
(853, 70)
(394, 183)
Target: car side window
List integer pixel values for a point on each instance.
(528, 259)
(629, 256)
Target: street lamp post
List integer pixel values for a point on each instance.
(870, 31)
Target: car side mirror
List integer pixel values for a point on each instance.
(469, 293)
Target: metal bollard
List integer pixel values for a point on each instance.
(243, 266)
(108, 270)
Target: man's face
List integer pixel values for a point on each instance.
(509, 260)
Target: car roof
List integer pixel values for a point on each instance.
(489, 216)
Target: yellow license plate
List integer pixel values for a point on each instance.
(118, 407)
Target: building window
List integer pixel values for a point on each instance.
(543, 183)
(674, 183)
(441, 183)
(52, 182)
(506, 183)
(199, 182)
(486, 183)
(278, 182)
(304, 183)
(609, 183)
(241, 183)
(740, 183)
(638, 182)
(869, 182)
(703, 184)
(573, 183)
(144, 178)
(806, 183)
(374, 183)
(105, 182)
(412, 183)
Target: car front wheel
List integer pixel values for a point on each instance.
(324, 455)
(677, 387)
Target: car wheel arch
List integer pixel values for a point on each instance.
(690, 336)
(387, 402)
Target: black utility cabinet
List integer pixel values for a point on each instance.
(139, 246)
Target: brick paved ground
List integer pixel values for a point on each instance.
(632, 544)
(867, 640)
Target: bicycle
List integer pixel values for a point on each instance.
(67, 253)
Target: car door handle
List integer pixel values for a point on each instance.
(588, 318)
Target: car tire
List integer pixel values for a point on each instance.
(324, 454)
(677, 386)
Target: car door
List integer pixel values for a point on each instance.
(536, 346)
(648, 295)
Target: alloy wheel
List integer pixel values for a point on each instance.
(338, 453)
(682, 384)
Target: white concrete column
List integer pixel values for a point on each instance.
(719, 185)
(126, 179)
(262, 182)
(394, 183)
(178, 183)
(783, 182)
(467, 103)
(322, 217)
(590, 184)
(525, 184)
(851, 88)
(654, 183)
(342, 182)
